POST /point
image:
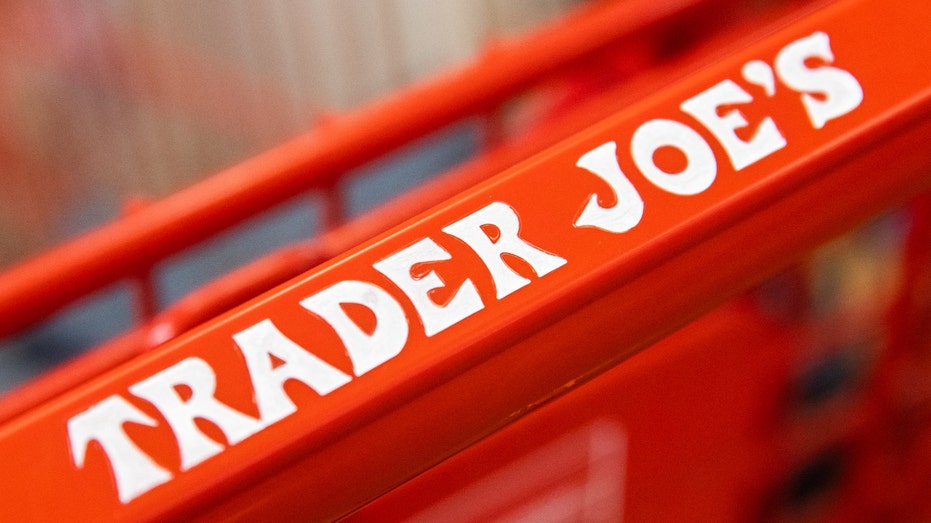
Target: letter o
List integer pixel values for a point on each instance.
(701, 167)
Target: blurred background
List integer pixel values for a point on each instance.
(105, 104)
(103, 100)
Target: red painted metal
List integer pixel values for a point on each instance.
(278, 267)
(133, 244)
(600, 297)
(686, 420)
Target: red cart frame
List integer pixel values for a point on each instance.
(333, 388)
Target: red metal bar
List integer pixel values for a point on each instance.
(683, 422)
(314, 160)
(251, 280)
(557, 325)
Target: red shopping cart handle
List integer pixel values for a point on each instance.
(337, 386)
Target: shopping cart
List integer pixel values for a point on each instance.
(478, 347)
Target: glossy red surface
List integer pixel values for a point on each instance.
(611, 295)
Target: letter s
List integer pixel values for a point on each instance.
(838, 91)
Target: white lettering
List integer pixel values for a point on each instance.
(366, 351)
(627, 212)
(184, 393)
(838, 92)
(704, 107)
(701, 169)
(491, 245)
(262, 341)
(135, 472)
(436, 318)
(161, 390)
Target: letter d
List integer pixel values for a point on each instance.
(366, 351)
